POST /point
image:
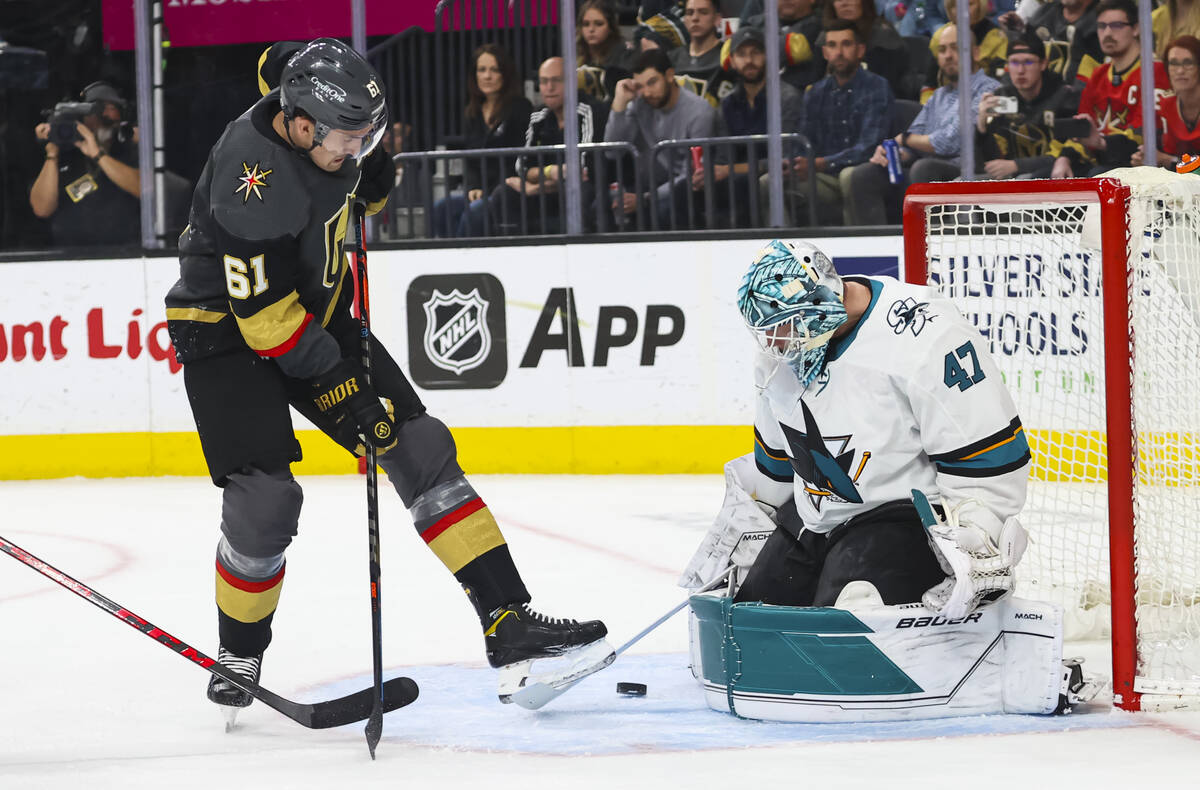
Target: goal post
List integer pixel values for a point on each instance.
(1088, 293)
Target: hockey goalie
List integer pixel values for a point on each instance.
(873, 532)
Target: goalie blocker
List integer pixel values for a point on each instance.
(884, 663)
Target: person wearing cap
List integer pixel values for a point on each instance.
(799, 29)
(90, 190)
(1024, 143)
(744, 112)
(1069, 26)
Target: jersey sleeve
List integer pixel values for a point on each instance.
(257, 244)
(968, 422)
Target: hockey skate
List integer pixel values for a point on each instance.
(1077, 688)
(565, 650)
(229, 697)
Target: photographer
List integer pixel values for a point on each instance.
(1017, 124)
(88, 186)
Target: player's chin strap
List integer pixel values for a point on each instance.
(975, 550)
(287, 129)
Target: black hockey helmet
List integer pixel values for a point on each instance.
(335, 86)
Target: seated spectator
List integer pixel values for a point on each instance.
(1070, 29)
(799, 52)
(602, 54)
(845, 116)
(744, 112)
(698, 64)
(520, 193)
(647, 109)
(1180, 114)
(886, 55)
(89, 185)
(1112, 97)
(992, 43)
(496, 116)
(1172, 19)
(1024, 144)
(929, 149)
(914, 17)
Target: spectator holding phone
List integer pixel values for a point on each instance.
(1017, 123)
(1180, 114)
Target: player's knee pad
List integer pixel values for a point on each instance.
(423, 458)
(260, 512)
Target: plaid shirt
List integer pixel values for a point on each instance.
(844, 123)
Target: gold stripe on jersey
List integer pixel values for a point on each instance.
(194, 314)
(274, 325)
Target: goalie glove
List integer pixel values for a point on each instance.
(737, 534)
(976, 551)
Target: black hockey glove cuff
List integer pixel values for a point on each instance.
(343, 395)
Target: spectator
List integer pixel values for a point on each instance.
(1023, 144)
(744, 112)
(929, 148)
(1181, 112)
(546, 128)
(845, 116)
(651, 107)
(660, 25)
(698, 65)
(992, 43)
(89, 187)
(914, 17)
(799, 53)
(496, 117)
(1112, 97)
(1070, 29)
(886, 55)
(603, 56)
(1172, 19)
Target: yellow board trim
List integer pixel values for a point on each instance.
(474, 536)
(628, 449)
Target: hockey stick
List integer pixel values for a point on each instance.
(398, 692)
(374, 728)
(535, 695)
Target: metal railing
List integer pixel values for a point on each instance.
(520, 190)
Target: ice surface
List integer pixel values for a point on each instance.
(85, 702)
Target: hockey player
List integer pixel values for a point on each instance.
(260, 319)
(868, 389)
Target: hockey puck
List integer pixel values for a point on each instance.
(632, 689)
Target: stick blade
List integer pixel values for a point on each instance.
(397, 693)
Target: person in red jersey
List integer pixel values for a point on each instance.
(1112, 97)
(1179, 114)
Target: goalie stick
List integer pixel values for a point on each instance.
(535, 695)
(397, 692)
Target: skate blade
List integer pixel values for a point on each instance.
(230, 713)
(563, 673)
(512, 677)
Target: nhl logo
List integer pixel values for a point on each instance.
(457, 337)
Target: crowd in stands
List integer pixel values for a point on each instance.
(1054, 85)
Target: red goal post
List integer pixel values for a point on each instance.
(1115, 482)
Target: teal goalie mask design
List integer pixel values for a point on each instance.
(792, 300)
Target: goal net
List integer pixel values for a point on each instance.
(1087, 292)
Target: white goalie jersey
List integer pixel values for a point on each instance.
(910, 399)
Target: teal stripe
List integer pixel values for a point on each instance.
(773, 466)
(1004, 455)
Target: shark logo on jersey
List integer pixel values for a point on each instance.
(908, 314)
(457, 337)
(823, 463)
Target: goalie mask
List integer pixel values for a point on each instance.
(332, 84)
(791, 299)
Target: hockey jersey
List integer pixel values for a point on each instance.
(1114, 102)
(261, 261)
(909, 399)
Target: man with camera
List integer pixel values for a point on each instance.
(88, 186)
(1023, 124)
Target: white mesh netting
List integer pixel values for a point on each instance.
(1027, 272)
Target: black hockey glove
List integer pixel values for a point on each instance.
(378, 176)
(344, 396)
